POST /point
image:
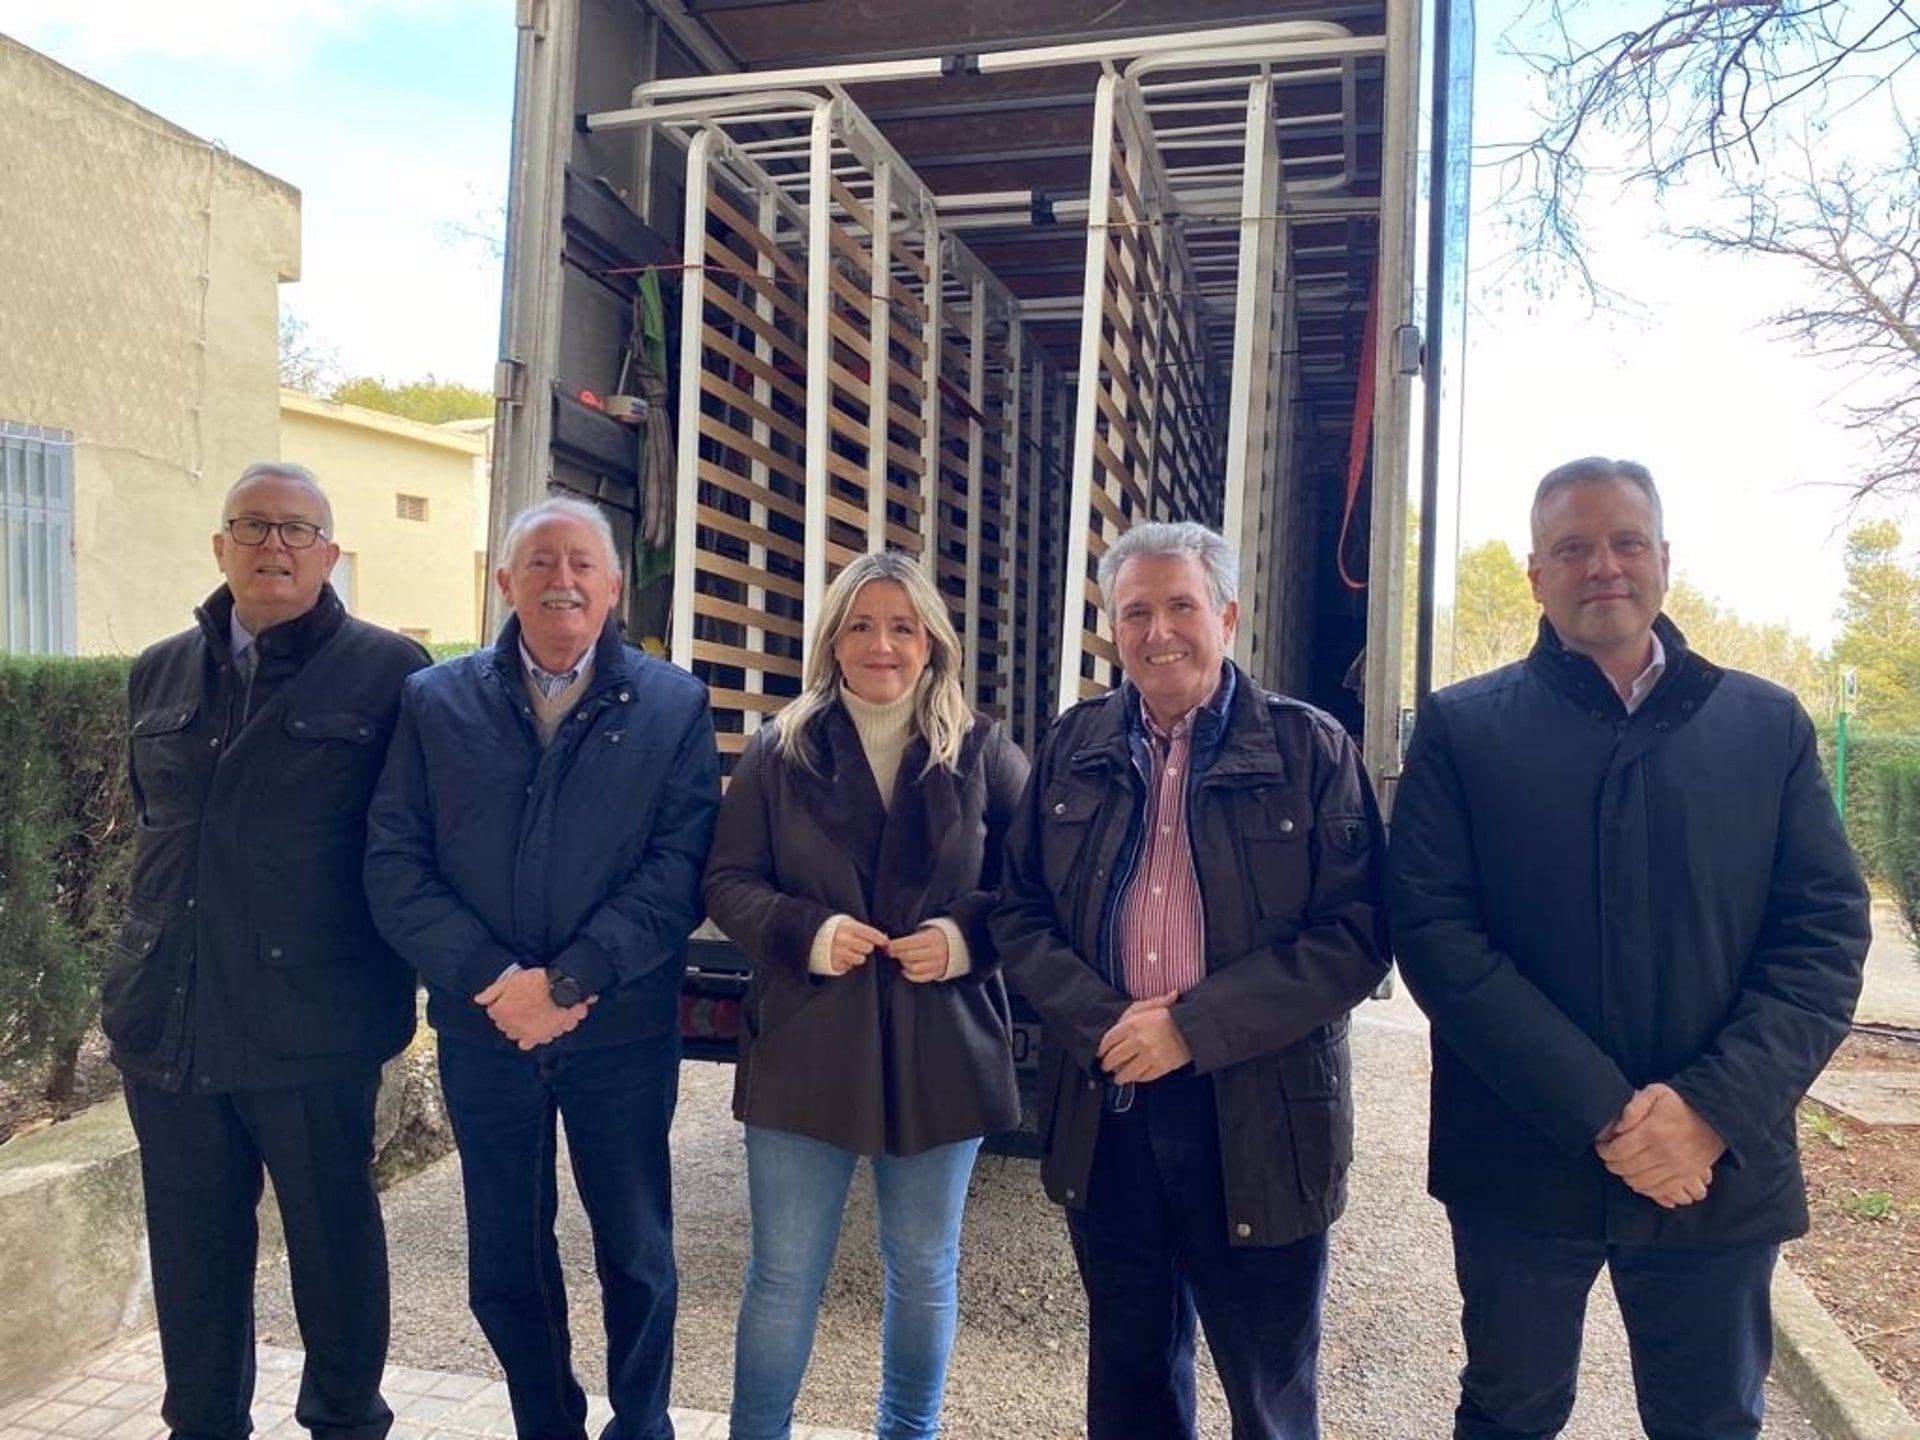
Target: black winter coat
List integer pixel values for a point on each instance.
(1586, 901)
(1288, 849)
(486, 849)
(248, 959)
(868, 1061)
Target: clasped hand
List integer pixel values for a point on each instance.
(921, 956)
(1144, 1043)
(521, 1009)
(1661, 1147)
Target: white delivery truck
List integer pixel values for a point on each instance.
(987, 281)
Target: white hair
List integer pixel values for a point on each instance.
(561, 507)
(1175, 537)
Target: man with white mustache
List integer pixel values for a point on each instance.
(1191, 904)
(535, 850)
(1621, 894)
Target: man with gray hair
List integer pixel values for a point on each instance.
(1621, 894)
(536, 850)
(248, 998)
(1191, 905)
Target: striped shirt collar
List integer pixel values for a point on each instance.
(1215, 705)
(551, 682)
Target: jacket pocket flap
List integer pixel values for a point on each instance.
(137, 937)
(1071, 804)
(165, 720)
(333, 725)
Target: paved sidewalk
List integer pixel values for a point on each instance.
(116, 1396)
(1891, 994)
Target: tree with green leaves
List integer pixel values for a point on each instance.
(1774, 651)
(1880, 627)
(430, 401)
(1495, 617)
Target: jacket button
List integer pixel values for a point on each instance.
(1060, 807)
(1093, 1084)
(1286, 827)
(214, 742)
(274, 953)
(190, 902)
(1243, 1230)
(1073, 1194)
(625, 696)
(299, 724)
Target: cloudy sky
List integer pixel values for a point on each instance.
(393, 119)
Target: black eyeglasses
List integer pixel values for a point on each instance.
(294, 534)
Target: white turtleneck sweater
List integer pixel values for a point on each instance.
(885, 730)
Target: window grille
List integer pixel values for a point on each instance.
(36, 540)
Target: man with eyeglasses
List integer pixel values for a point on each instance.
(1191, 902)
(249, 1000)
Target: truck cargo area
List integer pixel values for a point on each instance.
(985, 282)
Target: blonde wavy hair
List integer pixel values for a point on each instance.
(940, 710)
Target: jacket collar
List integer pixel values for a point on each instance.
(286, 645)
(842, 795)
(614, 661)
(1243, 743)
(1677, 697)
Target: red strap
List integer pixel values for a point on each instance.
(1358, 442)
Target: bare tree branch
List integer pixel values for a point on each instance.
(1855, 239)
(1701, 80)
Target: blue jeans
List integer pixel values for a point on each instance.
(617, 1102)
(1698, 1321)
(1152, 1250)
(797, 1193)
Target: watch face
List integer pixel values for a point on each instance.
(563, 990)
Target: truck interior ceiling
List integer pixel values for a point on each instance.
(987, 282)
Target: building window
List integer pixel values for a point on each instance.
(410, 507)
(36, 540)
(417, 632)
(346, 572)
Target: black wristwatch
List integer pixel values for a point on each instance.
(563, 990)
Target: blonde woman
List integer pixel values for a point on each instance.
(856, 858)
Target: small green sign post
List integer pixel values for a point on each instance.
(1849, 692)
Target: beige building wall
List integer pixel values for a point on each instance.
(405, 511)
(139, 275)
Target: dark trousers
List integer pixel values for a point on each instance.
(201, 1159)
(616, 1102)
(1698, 1321)
(1152, 1250)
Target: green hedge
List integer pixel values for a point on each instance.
(1897, 808)
(66, 831)
(1869, 758)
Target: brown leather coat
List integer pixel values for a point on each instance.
(1288, 846)
(867, 1061)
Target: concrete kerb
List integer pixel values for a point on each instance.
(1843, 1394)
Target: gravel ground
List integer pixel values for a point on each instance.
(1392, 1343)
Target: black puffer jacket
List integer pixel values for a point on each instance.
(1288, 850)
(247, 959)
(1586, 901)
